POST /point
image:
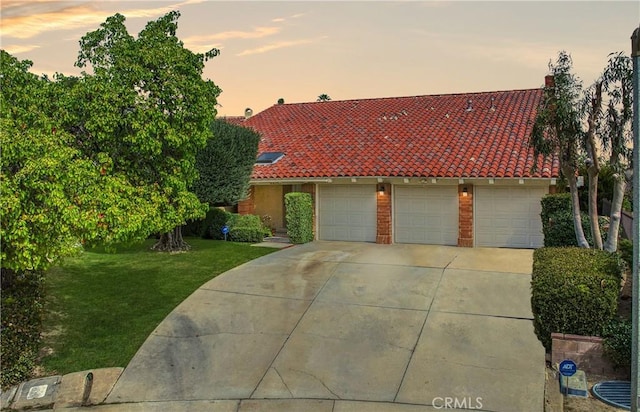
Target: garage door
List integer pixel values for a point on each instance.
(347, 213)
(427, 215)
(508, 216)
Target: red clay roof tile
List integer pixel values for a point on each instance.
(418, 136)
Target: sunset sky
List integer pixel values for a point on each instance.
(348, 50)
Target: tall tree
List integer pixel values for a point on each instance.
(616, 134)
(557, 129)
(592, 107)
(605, 110)
(225, 164)
(147, 109)
(54, 198)
(323, 98)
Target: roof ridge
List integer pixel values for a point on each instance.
(410, 97)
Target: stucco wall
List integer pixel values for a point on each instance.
(268, 200)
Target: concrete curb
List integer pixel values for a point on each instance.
(85, 388)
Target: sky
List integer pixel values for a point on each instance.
(347, 50)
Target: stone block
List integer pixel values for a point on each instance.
(37, 393)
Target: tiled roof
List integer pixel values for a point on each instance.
(237, 120)
(458, 135)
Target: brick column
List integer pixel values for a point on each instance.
(311, 189)
(384, 214)
(465, 215)
(247, 206)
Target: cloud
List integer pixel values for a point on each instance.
(283, 19)
(278, 45)
(17, 49)
(206, 42)
(23, 20)
(256, 33)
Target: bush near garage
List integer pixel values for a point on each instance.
(246, 228)
(625, 249)
(299, 215)
(574, 290)
(617, 342)
(557, 221)
(21, 312)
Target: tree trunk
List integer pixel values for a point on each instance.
(575, 207)
(596, 235)
(616, 210)
(171, 242)
(594, 168)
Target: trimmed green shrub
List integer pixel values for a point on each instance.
(210, 227)
(554, 203)
(213, 223)
(246, 228)
(617, 342)
(574, 290)
(557, 222)
(22, 295)
(225, 164)
(246, 234)
(625, 249)
(299, 215)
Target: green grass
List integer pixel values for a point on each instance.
(101, 306)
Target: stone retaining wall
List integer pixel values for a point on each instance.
(586, 352)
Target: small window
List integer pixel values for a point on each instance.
(269, 158)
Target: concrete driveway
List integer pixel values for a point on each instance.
(339, 326)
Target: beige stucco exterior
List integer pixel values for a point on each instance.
(269, 200)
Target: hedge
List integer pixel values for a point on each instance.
(574, 290)
(213, 223)
(299, 216)
(557, 221)
(246, 228)
(625, 249)
(21, 311)
(617, 342)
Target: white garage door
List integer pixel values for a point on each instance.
(347, 212)
(508, 216)
(427, 215)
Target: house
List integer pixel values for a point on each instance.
(442, 169)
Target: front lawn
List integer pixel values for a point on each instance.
(101, 306)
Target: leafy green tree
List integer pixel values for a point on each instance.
(557, 129)
(281, 101)
(616, 134)
(53, 197)
(323, 98)
(605, 109)
(225, 164)
(146, 110)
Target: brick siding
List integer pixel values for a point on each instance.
(247, 206)
(383, 234)
(465, 216)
